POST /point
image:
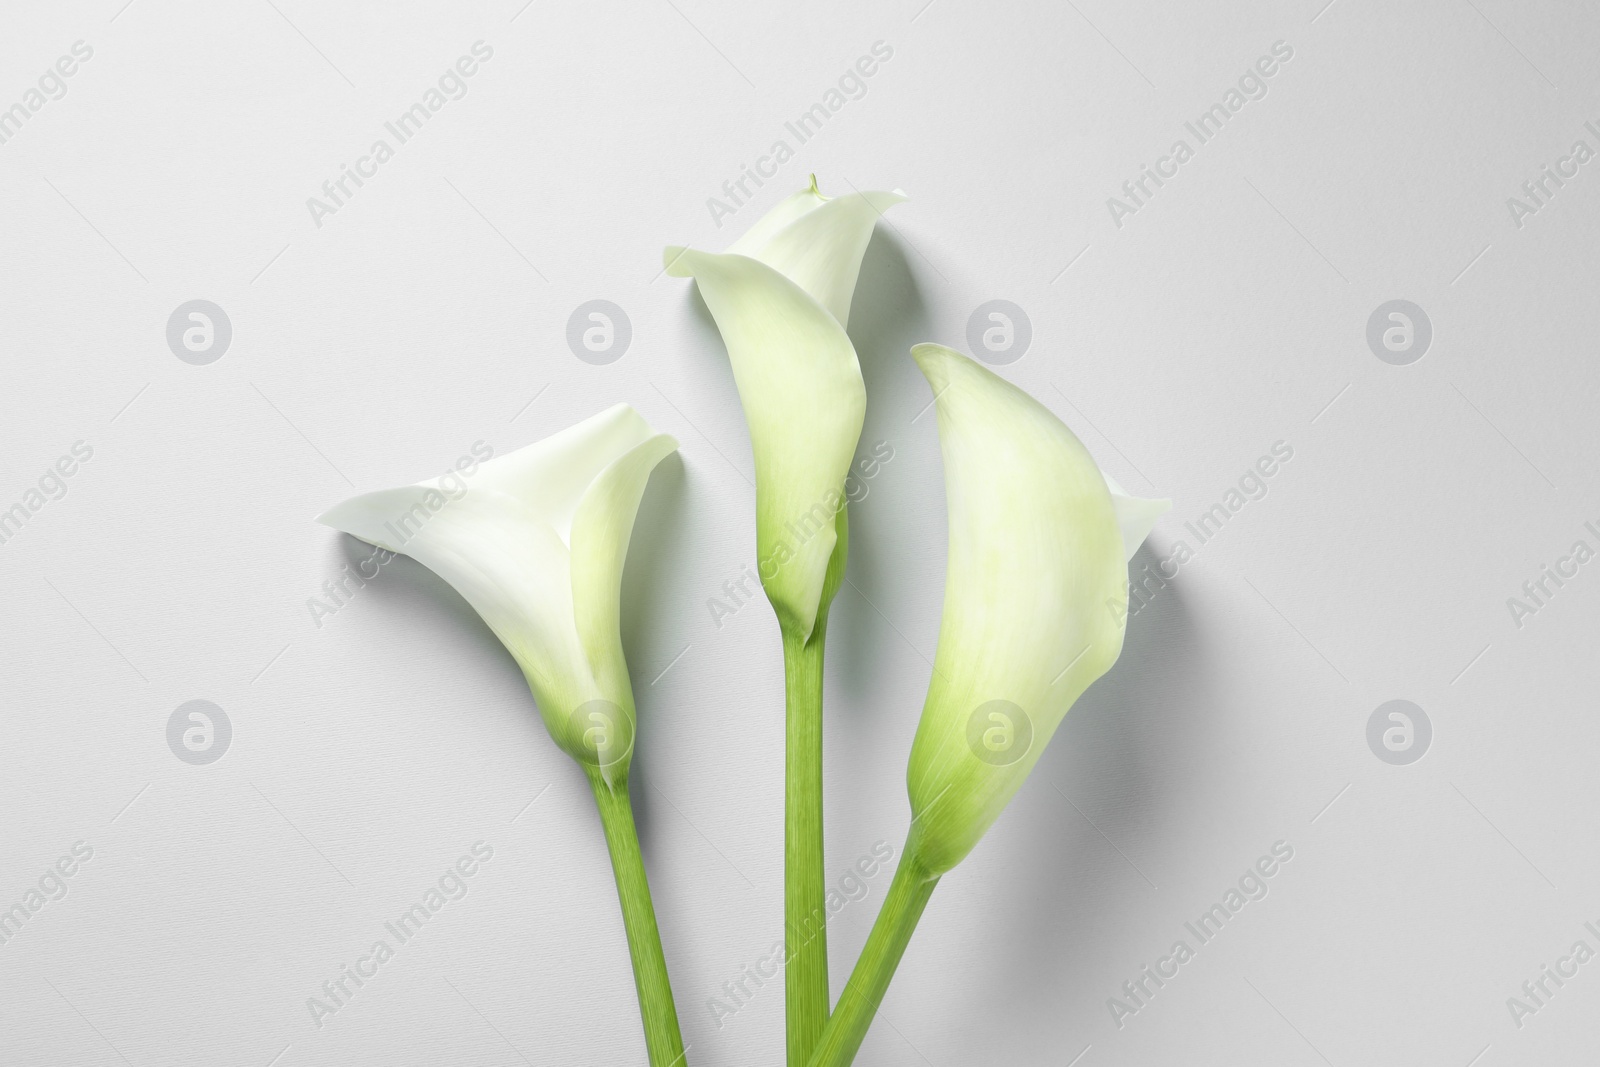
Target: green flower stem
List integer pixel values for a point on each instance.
(891, 932)
(662, 1039)
(805, 916)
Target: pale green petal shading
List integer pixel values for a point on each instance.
(600, 535)
(1035, 598)
(534, 541)
(781, 297)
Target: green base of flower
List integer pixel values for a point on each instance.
(662, 1039)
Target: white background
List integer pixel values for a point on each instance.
(430, 312)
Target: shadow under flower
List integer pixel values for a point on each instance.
(1115, 780)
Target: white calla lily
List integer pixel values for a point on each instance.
(1035, 607)
(535, 541)
(781, 296)
(1035, 600)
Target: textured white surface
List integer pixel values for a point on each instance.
(1227, 314)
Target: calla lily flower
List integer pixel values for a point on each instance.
(535, 541)
(781, 297)
(1035, 600)
(1035, 607)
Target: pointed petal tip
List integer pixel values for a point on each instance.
(624, 414)
(663, 445)
(1136, 517)
(626, 411)
(937, 362)
(815, 189)
(335, 518)
(674, 262)
(354, 517)
(926, 351)
(620, 410)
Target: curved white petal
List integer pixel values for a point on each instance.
(818, 242)
(780, 298)
(552, 475)
(804, 401)
(497, 552)
(600, 535)
(535, 541)
(1035, 600)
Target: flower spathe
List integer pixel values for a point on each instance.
(781, 297)
(1035, 603)
(535, 541)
